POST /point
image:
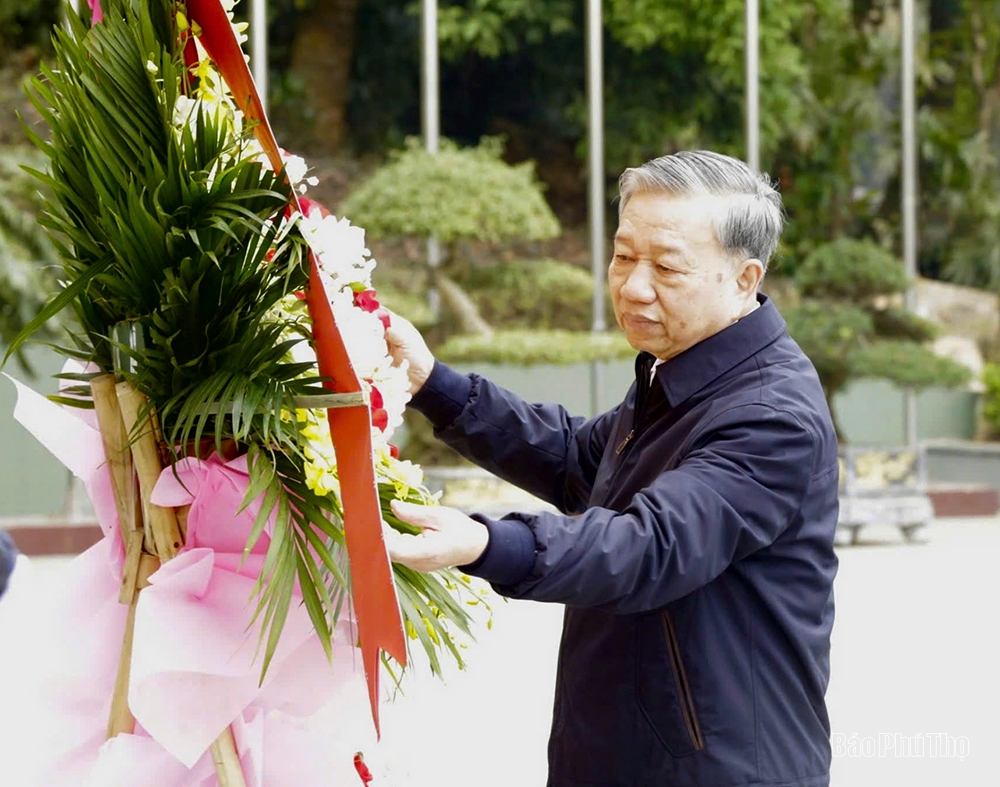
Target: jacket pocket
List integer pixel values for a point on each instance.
(662, 688)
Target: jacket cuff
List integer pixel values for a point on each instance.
(443, 397)
(509, 555)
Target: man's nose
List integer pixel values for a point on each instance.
(638, 285)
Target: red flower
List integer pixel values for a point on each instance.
(383, 315)
(393, 451)
(362, 769)
(366, 301)
(307, 206)
(380, 419)
(376, 398)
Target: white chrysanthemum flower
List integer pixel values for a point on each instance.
(295, 168)
(362, 332)
(340, 248)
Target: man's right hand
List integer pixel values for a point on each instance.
(406, 343)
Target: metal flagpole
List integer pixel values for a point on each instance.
(258, 47)
(752, 77)
(596, 202)
(430, 121)
(909, 184)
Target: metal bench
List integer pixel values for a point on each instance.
(883, 486)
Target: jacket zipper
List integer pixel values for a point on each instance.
(683, 688)
(624, 443)
(640, 398)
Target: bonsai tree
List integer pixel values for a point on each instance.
(849, 327)
(471, 195)
(455, 195)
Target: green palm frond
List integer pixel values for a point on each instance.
(181, 236)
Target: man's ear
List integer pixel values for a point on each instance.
(749, 276)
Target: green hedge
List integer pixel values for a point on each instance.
(544, 294)
(532, 348)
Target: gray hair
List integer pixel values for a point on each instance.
(751, 224)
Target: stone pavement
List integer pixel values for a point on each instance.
(914, 654)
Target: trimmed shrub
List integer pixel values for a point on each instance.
(531, 348)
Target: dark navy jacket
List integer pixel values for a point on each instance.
(8, 557)
(696, 559)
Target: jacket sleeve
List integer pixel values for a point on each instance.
(537, 447)
(733, 494)
(8, 557)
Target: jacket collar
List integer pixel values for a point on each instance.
(686, 374)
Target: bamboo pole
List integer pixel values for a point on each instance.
(121, 719)
(163, 534)
(228, 767)
(119, 459)
(114, 436)
(163, 537)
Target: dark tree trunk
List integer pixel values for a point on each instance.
(322, 57)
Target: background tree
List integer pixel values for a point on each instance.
(849, 327)
(456, 195)
(26, 253)
(960, 173)
(26, 24)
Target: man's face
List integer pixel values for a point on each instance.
(671, 283)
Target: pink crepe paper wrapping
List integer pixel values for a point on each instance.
(194, 670)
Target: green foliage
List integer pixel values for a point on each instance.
(410, 305)
(991, 396)
(909, 365)
(545, 294)
(828, 333)
(850, 269)
(960, 145)
(674, 71)
(847, 331)
(893, 323)
(532, 348)
(26, 22)
(456, 194)
(25, 249)
(497, 27)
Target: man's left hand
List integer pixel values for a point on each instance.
(449, 538)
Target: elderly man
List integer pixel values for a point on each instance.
(695, 557)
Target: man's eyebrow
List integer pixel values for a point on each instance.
(665, 246)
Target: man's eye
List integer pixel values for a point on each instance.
(623, 258)
(665, 269)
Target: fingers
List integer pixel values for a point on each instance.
(418, 516)
(399, 330)
(414, 552)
